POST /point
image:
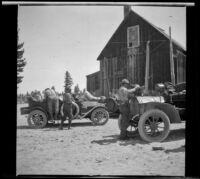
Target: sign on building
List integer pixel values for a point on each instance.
(133, 36)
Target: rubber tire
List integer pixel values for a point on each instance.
(40, 113)
(142, 121)
(120, 121)
(76, 111)
(93, 114)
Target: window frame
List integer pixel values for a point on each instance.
(137, 28)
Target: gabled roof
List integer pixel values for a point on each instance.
(93, 74)
(160, 30)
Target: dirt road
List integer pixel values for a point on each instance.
(95, 150)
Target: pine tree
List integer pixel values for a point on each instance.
(76, 90)
(21, 62)
(68, 82)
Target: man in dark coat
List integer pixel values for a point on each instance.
(124, 107)
(66, 109)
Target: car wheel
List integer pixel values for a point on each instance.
(100, 116)
(37, 119)
(154, 126)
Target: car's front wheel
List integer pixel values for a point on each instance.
(100, 116)
(154, 125)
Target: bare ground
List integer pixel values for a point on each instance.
(95, 150)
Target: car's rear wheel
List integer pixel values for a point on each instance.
(154, 126)
(37, 119)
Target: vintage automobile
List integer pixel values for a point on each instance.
(151, 116)
(38, 115)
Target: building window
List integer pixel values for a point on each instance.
(133, 36)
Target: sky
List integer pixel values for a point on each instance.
(70, 38)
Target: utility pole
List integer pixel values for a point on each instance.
(171, 58)
(147, 69)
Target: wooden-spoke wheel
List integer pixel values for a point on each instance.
(100, 116)
(37, 119)
(154, 126)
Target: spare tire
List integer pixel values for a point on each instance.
(75, 109)
(111, 105)
(120, 122)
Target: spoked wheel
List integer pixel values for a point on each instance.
(154, 126)
(37, 119)
(100, 116)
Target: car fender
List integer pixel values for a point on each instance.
(88, 114)
(39, 108)
(169, 109)
(24, 110)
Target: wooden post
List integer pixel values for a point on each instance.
(106, 77)
(147, 69)
(171, 58)
(113, 64)
(101, 78)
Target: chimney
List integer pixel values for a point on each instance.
(127, 9)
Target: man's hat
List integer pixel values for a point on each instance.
(125, 81)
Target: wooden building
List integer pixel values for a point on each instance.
(124, 56)
(93, 83)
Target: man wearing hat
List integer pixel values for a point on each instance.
(66, 108)
(124, 107)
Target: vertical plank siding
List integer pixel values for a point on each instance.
(117, 61)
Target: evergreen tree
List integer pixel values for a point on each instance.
(68, 82)
(76, 90)
(21, 62)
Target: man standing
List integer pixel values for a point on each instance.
(124, 107)
(66, 109)
(52, 103)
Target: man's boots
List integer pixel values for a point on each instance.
(123, 135)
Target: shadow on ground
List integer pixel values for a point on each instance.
(24, 127)
(176, 134)
(179, 149)
(51, 126)
(135, 138)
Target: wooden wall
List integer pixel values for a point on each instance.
(93, 83)
(118, 62)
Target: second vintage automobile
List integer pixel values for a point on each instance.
(38, 115)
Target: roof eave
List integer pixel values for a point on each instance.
(163, 33)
